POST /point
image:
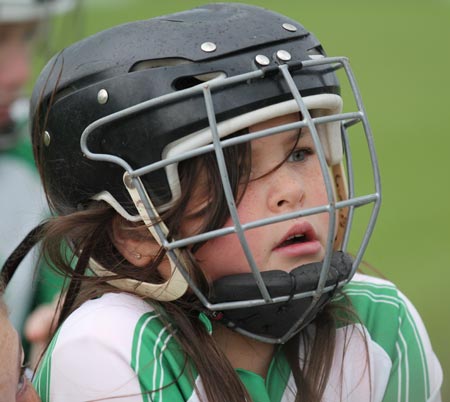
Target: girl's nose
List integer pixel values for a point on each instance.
(286, 191)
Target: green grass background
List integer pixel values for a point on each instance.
(400, 53)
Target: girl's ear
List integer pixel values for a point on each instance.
(134, 243)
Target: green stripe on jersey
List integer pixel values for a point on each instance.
(41, 381)
(159, 362)
(391, 325)
(165, 376)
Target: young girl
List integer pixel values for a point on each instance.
(198, 164)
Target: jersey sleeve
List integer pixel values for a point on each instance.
(86, 368)
(114, 351)
(394, 324)
(416, 374)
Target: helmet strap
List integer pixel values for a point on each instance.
(176, 285)
(341, 188)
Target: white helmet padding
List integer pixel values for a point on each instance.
(319, 105)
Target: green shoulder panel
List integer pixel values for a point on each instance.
(41, 380)
(161, 365)
(383, 310)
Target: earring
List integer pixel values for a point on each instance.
(136, 255)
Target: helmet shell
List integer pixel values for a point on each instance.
(169, 49)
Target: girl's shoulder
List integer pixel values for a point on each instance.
(377, 302)
(113, 318)
(372, 287)
(107, 347)
(395, 337)
(390, 320)
(108, 310)
(109, 328)
(110, 306)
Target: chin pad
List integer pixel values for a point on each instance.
(274, 320)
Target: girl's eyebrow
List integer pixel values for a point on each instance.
(296, 136)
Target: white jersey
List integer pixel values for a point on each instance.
(116, 346)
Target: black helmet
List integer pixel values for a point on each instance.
(115, 113)
(132, 63)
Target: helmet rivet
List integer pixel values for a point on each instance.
(283, 55)
(47, 138)
(289, 27)
(262, 60)
(128, 182)
(102, 96)
(208, 47)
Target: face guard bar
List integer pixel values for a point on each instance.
(177, 285)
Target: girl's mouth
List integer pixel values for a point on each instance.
(300, 240)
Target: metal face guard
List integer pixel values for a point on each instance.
(216, 141)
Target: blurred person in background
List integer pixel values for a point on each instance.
(22, 203)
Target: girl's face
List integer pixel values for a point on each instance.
(295, 184)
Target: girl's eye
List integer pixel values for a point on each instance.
(299, 155)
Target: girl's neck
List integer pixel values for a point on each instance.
(243, 352)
